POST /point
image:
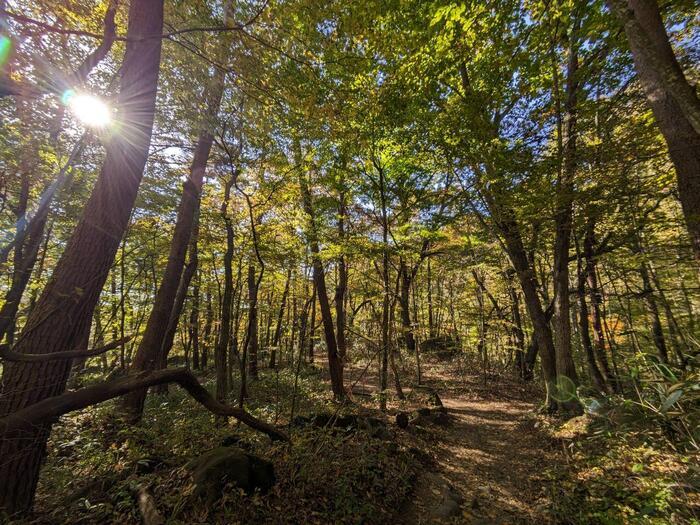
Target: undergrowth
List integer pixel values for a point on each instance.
(95, 462)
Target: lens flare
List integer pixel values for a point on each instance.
(5, 48)
(89, 109)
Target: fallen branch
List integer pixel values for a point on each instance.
(7, 354)
(49, 409)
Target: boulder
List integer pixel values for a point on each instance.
(213, 470)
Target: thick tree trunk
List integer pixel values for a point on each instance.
(63, 313)
(672, 98)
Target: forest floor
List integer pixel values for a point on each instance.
(491, 458)
(486, 466)
(495, 460)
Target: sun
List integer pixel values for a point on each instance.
(89, 109)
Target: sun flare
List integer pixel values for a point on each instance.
(90, 110)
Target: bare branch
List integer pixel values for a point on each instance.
(7, 353)
(53, 407)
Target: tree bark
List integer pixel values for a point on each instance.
(64, 310)
(584, 331)
(596, 299)
(567, 379)
(222, 343)
(252, 336)
(673, 100)
(152, 351)
(335, 364)
(280, 317)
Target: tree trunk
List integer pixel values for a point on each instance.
(194, 324)
(596, 301)
(431, 316)
(208, 322)
(567, 379)
(63, 313)
(152, 351)
(672, 98)
(342, 285)
(252, 336)
(584, 330)
(542, 333)
(221, 351)
(404, 303)
(335, 364)
(280, 317)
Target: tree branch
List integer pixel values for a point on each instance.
(49, 409)
(7, 353)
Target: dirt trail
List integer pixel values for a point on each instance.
(490, 462)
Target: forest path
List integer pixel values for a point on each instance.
(490, 461)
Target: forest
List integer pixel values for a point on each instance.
(350, 261)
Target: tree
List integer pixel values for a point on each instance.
(61, 319)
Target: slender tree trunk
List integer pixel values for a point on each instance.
(221, 351)
(542, 333)
(152, 351)
(584, 331)
(335, 364)
(567, 379)
(280, 317)
(431, 316)
(384, 372)
(64, 311)
(312, 325)
(404, 303)
(596, 301)
(342, 284)
(208, 322)
(518, 333)
(194, 324)
(252, 322)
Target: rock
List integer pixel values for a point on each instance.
(402, 420)
(223, 465)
